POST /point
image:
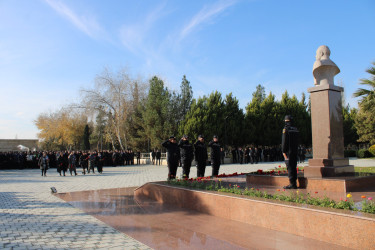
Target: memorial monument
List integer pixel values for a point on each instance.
(327, 121)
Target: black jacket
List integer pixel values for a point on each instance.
(186, 151)
(173, 151)
(289, 144)
(215, 150)
(200, 152)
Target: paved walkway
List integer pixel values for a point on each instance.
(32, 218)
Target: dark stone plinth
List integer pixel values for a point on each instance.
(327, 134)
(329, 171)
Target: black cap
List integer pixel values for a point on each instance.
(172, 137)
(201, 136)
(215, 136)
(288, 118)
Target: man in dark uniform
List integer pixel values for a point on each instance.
(200, 156)
(290, 151)
(158, 157)
(173, 156)
(186, 153)
(215, 155)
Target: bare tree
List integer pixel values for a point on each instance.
(112, 95)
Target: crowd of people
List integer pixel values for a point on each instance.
(253, 154)
(68, 161)
(179, 154)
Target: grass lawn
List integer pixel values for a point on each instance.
(364, 169)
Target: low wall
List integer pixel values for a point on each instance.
(349, 184)
(345, 229)
(11, 144)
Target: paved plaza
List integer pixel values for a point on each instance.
(33, 218)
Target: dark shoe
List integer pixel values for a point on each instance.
(290, 187)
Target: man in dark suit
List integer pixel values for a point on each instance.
(173, 156)
(290, 151)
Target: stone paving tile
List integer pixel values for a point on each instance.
(32, 218)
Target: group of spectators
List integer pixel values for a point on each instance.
(65, 161)
(254, 154)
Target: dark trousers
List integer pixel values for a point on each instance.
(215, 163)
(91, 167)
(291, 165)
(158, 160)
(201, 168)
(73, 169)
(172, 169)
(59, 169)
(44, 171)
(99, 168)
(186, 165)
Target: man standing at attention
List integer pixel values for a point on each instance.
(200, 156)
(186, 152)
(173, 156)
(215, 155)
(290, 151)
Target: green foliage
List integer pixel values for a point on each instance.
(264, 119)
(350, 153)
(185, 98)
(157, 113)
(368, 206)
(363, 153)
(365, 120)
(372, 150)
(349, 129)
(365, 125)
(86, 138)
(367, 101)
(206, 116)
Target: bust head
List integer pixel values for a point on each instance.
(324, 69)
(323, 53)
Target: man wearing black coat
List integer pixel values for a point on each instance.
(200, 156)
(289, 147)
(173, 156)
(215, 155)
(186, 153)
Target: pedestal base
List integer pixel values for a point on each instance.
(328, 171)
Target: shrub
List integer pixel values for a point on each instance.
(363, 153)
(350, 153)
(372, 150)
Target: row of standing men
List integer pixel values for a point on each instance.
(184, 151)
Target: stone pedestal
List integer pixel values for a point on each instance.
(327, 133)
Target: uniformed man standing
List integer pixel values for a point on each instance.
(200, 156)
(290, 151)
(215, 155)
(173, 156)
(186, 153)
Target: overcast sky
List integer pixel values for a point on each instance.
(49, 49)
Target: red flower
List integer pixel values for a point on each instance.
(316, 192)
(279, 166)
(278, 190)
(230, 185)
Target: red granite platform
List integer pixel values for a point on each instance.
(344, 228)
(162, 226)
(332, 184)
